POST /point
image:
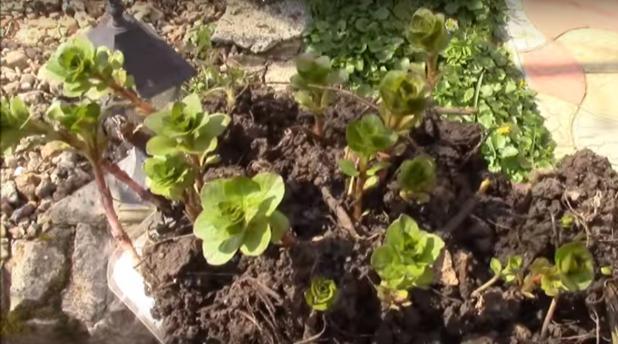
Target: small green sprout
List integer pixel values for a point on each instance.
(509, 273)
(184, 127)
(573, 271)
(86, 70)
(405, 259)
(429, 32)
(404, 98)
(366, 137)
(607, 270)
(169, 176)
(567, 220)
(314, 75)
(15, 123)
(240, 213)
(417, 178)
(321, 294)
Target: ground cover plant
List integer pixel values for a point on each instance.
(384, 226)
(370, 38)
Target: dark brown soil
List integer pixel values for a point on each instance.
(260, 299)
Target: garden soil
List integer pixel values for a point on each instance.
(260, 299)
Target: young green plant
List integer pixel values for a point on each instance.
(314, 77)
(77, 125)
(573, 271)
(321, 294)
(240, 213)
(404, 97)
(417, 178)
(405, 260)
(510, 273)
(429, 32)
(183, 145)
(366, 137)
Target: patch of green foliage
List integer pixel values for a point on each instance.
(169, 176)
(417, 178)
(240, 214)
(314, 74)
(321, 294)
(406, 257)
(368, 38)
(511, 272)
(572, 271)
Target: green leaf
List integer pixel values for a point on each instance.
(368, 136)
(417, 177)
(256, 239)
(169, 176)
(160, 145)
(279, 225)
(495, 266)
(348, 167)
(575, 265)
(404, 93)
(321, 294)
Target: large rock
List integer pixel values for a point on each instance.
(38, 271)
(88, 298)
(83, 206)
(261, 27)
(87, 294)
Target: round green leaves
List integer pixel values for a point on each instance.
(428, 31)
(240, 214)
(321, 294)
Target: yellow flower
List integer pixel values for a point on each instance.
(504, 130)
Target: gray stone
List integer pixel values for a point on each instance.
(83, 206)
(8, 192)
(8, 74)
(45, 188)
(38, 270)
(23, 212)
(5, 249)
(120, 326)
(67, 159)
(87, 294)
(16, 58)
(261, 27)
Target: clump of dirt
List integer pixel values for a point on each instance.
(260, 299)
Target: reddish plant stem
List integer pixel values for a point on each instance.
(116, 229)
(357, 213)
(130, 95)
(144, 194)
(432, 71)
(318, 126)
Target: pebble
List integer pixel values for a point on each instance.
(11, 88)
(27, 183)
(23, 212)
(45, 188)
(67, 160)
(16, 58)
(33, 230)
(9, 192)
(5, 249)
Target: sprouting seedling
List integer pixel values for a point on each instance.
(404, 98)
(15, 123)
(184, 130)
(573, 271)
(366, 137)
(429, 31)
(567, 220)
(417, 178)
(321, 294)
(92, 72)
(314, 75)
(240, 214)
(509, 273)
(77, 125)
(169, 176)
(405, 259)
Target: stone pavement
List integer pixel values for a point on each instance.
(568, 50)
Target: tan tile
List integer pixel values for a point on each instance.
(597, 132)
(558, 116)
(552, 70)
(596, 50)
(601, 96)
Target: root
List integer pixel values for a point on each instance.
(342, 216)
(548, 317)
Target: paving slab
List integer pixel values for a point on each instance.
(602, 97)
(596, 50)
(552, 70)
(559, 116)
(555, 17)
(598, 132)
(523, 35)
